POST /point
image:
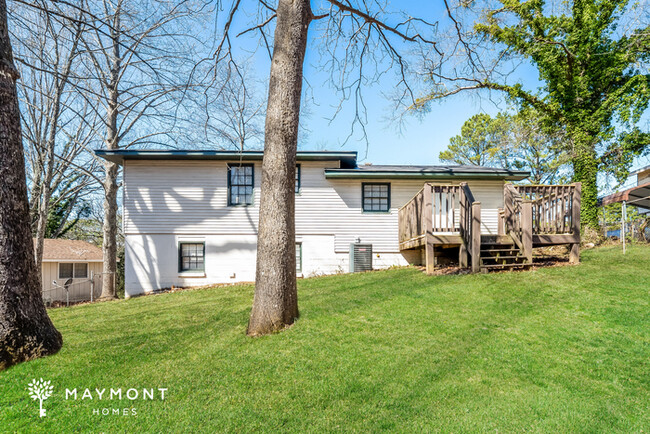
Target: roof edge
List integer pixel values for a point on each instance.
(385, 174)
(347, 158)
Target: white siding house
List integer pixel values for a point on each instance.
(181, 227)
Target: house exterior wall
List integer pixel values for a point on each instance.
(79, 290)
(166, 202)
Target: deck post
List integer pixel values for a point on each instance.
(623, 222)
(527, 230)
(463, 255)
(574, 255)
(427, 218)
(501, 224)
(476, 237)
(92, 285)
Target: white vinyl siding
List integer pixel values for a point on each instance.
(191, 198)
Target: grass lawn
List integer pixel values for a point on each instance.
(550, 350)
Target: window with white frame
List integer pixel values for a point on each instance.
(298, 257)
(191, 256)
(76, 270)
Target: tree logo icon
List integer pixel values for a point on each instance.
(40, 390)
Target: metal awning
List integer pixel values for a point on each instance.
(638, 196)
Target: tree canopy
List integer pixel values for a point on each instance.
(516, 141)
(592, 59)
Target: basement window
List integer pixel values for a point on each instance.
(191, 257)
(375, 197)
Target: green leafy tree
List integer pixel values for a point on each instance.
(477, 144)
(537, 147)
(63, 215)
(509, 141)
(593, 73)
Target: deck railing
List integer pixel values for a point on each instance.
(434, 205)
(445, 201)
(538, 215)
(552, 207)
(470, 228)
(411, 223)
(517, 218)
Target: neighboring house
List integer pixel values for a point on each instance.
(71, 262)
(190, 217)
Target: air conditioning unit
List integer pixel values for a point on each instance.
(360, 257)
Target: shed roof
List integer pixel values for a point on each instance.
(57, 250)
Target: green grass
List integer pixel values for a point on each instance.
(562, 349)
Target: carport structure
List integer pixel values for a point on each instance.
(638, 196)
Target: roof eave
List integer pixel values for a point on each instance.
(351, 174)
(347, 159)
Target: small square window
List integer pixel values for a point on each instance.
(80, 271)
(375, 197)
(66, 271)
(191, 257)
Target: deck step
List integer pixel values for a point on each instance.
(501, 258)
(510, 265)
(499, 250)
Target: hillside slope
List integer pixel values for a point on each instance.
(555, 350)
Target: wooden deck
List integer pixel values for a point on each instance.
(532, 216)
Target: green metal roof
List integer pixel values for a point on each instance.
(348, 163)
(347, 159)
(426, 172)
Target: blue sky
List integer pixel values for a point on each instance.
(420, 140)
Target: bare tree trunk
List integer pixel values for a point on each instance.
(26, 331)
(275, 305)
(109, 228)
(46, 190)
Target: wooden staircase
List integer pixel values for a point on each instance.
(532, 216)
(501, 253)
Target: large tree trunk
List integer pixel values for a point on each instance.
(109, 245)
(275, 305)
(26, 331)
(585, 170)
